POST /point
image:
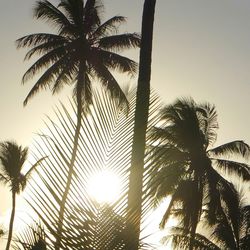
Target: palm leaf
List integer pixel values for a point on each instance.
(109, 27)
(181, 240)
(120, 42)
(32, 238)
(38, 39)
(105, 143)
(48, 12)
(236, 148)
(209, 122)
(233, 167)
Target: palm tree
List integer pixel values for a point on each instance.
(140, 127)
(232, 231)
(83, 49)
(222, 235)
(189, 169)
(12, 158)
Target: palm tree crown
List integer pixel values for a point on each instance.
(83, 47)
(12, 159)
(188, 168)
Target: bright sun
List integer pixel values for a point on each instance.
(105, 187)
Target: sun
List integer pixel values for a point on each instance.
(105, 187)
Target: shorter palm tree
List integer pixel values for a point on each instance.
(12, 159)
(189, 169)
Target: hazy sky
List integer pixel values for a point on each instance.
(201, 49)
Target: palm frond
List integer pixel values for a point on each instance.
(245, 219)
(109, 27)
(74, 12)
(28, 173)
(232, 167)
(110, 83)
(165, 181)
(44, 48)
(67, 75)
(105, 143)
(230, 197)
(113, 61)
(209, 122)
(181, 240)
(43, 62)
(35, 40)
(120, 42)
(245, 242)
(236, 148)
(92, 15)
(4, 179)
(48, 12)
(32, 238)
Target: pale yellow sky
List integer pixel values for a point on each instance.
(201, 49)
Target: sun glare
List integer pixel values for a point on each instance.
(105, 187)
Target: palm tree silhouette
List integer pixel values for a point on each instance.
(187, 168)
(234, 232)
(223, 234)
(83, 49)
(134, 210)
(12, 158)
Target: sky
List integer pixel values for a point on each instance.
(201, 49)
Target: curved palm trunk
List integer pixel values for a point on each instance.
(80, 84)
(11, 220)
(140, 127)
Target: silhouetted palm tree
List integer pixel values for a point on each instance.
(223, 234)
(84, 48)
(141, 121)
(234, 232)
(12, 159)
(187, 168)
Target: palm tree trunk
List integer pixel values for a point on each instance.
(80, 84)
(11, 220)
(140, 127)
(192, 238)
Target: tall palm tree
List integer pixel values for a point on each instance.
(12, 159)
(140, 126)
(83, 49)
(189, 169)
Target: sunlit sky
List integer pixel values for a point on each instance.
(201, 49)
